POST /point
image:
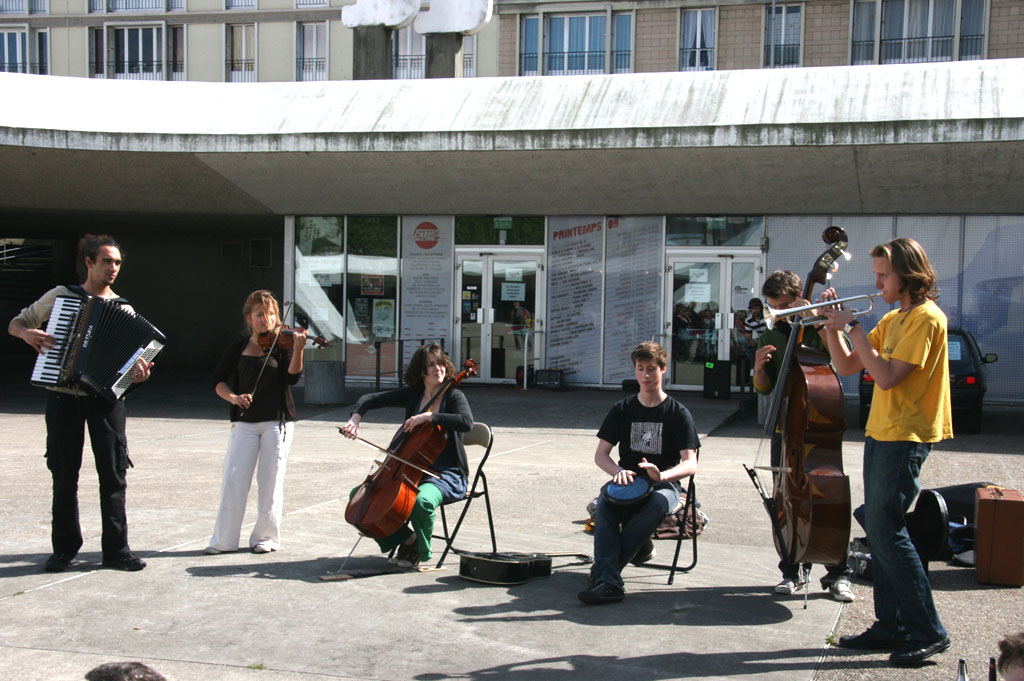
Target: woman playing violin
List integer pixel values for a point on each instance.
(424, 376)
(255, 376)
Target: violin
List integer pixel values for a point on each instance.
(285, 339)
(810, 502)
(383, 502)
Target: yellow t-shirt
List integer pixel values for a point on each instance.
(918, 408)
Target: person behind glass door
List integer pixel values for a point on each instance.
(255, 376)
(522, 319)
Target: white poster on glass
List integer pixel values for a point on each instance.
(633, 258)
(428, 246)
(574, 297)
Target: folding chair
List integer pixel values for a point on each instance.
(689, 513)
(480, 435)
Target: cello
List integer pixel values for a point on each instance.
(810, 502)
(383, 502)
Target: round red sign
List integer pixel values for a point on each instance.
(426, 235)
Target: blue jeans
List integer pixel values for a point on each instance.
(903, 594)
(619, 531)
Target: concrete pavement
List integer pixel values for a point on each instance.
(270, 617)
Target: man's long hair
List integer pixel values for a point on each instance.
(910, 263)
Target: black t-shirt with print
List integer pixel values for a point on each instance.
(657, 433)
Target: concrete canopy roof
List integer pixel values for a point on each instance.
(922, 138)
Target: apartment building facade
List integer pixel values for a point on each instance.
(708, 211)
(299, 40)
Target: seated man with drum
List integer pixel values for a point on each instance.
(658, 446)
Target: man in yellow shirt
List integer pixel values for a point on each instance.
(910, 410)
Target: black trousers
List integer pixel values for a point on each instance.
(66, 418)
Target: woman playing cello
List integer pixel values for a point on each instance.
(424, 377)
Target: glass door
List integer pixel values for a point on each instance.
(707, 299)
(498, 322)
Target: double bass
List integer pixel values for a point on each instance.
(810, 502)
(383, 502)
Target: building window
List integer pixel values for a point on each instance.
(311, 48)
(685, 230)
(241, 51)
(135, 5)
(136, 53)
(972, 29)
(697, 42)
(918, 31)
(14, 50)
(622, 42)
(23, 7)
(575, 44)
(176, 52)
(410, 50)
(782, 36)
(529, 45)
(97, 60)
(410, 54)
(493, 230)
(41, 64)
(240, 4)
(863, 32)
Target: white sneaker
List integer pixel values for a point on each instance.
(214, 551)
(841, 591)
(263, 548)
(788, 587)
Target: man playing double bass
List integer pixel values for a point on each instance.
(910, 410)
(782, 289)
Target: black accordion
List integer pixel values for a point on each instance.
(98, 344)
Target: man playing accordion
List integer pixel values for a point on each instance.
(69, 409)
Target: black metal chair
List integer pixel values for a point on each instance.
(480, 435)
(690, 517)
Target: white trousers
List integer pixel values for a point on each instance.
(262, 447)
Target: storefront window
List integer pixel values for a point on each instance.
(319, 293)
(686, 230)
(372, 278)
(489, 230)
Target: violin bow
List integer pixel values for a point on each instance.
(392, 455)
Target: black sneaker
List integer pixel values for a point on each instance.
(914, 654)
(602, 592)
(128, 562)
(58, 562)
(645, 553)
(874, 638)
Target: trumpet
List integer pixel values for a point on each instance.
(771, 316)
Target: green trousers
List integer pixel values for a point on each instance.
(422, 520)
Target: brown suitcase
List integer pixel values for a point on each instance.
(999, 536)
